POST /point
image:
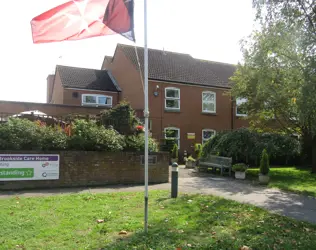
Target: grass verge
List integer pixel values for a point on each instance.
(189, 222)
(298, 180)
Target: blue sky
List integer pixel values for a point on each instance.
(207, 29)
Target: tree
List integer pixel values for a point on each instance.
(278, 74)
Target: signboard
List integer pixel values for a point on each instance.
(191, 136)
(21, 167)
(152, 159)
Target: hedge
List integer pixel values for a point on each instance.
(246, 146)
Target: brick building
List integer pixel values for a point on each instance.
(188, 98)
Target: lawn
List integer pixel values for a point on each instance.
(189, 222)
(299, 180)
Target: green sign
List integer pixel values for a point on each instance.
(17, 173)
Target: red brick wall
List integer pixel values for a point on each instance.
(128, 78)
(82, 168)
(57, 90)
(190, 119)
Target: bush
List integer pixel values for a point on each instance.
(198, 150)
(19, 134)
(264, 163)
(136, 143)
(52, 139)
(174, 152)
(87, 135)
(244, 145)
(239, 167)
(122, 118)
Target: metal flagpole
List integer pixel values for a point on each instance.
(146, 114)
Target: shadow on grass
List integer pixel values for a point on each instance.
(206, 222)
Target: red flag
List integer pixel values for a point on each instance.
(80, 19)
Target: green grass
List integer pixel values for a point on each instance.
(299, 180)
(189, 222)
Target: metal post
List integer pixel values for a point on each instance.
(174, 180)
(146, 114)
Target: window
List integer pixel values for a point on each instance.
(207, 134)
(172, 98)
(240, 107)
(209, 102)
(97, 100)
(173, 134)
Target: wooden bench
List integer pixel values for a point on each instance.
(214, 162)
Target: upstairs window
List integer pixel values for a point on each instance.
(208, 102)
(207, 134)
(172, 98)
(240, 107)
(173, 134)
(96, 100)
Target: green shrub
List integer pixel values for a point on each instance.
(190, 158)
(198, 150)
(19, 134)
(136, 143)
(87, 135)
(239, 167)
(244, 145)
(122, 118)
(174, 152)
(264, 163)
(52, 139)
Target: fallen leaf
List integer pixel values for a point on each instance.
(178, 248)
(181, 231)
(17, 202)
(12, 213)
(189, 201)
(189, 245)
(123, 232)
(213, 233)
(100, 221)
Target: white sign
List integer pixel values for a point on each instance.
(21, 167)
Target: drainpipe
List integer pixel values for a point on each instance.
(232, 113)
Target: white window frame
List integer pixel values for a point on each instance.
(173, 128)
(207, 111)
(171, 98)
(97, 100)
(242, 101)
(207, 130)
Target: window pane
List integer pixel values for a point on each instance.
(90, 99)
(241, 109)
(102, 99)
(208, 135)
(208, 97)
(173, 93)
(172, 133)
(172, 104)
(209, 107)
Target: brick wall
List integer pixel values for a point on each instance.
(81, 169)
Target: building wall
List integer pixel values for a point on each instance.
(190, 118)
(82, 168)
(128, 78)
(69, 98)
(50, 82)
(57, 90)
(9, 108)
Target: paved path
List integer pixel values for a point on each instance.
(296, 206)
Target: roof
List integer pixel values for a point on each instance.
(181, 68)
(83, 78)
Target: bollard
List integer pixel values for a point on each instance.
(174, 180)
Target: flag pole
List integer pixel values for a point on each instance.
(146, 114)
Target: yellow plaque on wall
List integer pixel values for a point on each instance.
(191, 136)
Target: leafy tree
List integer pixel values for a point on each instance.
(278, 76)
